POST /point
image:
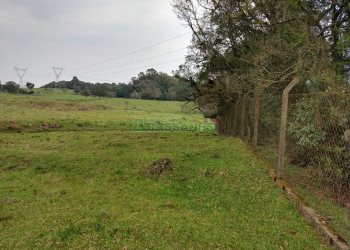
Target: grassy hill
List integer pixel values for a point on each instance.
(75, 112)
(72, 175)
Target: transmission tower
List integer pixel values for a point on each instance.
(20, 73)
(58, 72)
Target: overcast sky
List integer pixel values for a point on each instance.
(89, 38)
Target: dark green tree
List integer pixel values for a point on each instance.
(30, 85)
(98, 90)
(11, 87)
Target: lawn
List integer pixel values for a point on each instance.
(85, 186)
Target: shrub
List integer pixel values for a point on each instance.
(318, 137)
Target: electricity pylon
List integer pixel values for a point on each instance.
(20, 73)
(58, 72)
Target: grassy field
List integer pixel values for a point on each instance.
(75, 112)
(313, 193)
(336, 215)
(82, 184)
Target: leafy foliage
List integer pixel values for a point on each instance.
(244, 49)
(318, 130)
(10, 87)
(30, 85)
(303, 127)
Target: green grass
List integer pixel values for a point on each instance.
(313, 192)
(75, 112)
(337, 216)
(86, 188)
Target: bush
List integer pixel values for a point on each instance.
(318, 137)
(10, 87)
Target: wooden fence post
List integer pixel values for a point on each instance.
(283, 128)
(256, 120)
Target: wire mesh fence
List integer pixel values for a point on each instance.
(317, 135)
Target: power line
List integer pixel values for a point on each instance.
(59, 71)
(127, 70)
(133, 62)
(132, 52)
(149, 66)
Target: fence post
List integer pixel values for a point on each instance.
(256, 120)
(283, 128)
(243, 118)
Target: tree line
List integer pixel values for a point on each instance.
(147, 85)
(241, 47)
(246, 49)
(14, 88)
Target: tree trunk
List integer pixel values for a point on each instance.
(256, 120)
(243, 116)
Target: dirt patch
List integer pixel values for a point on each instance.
(170, 206)
(39, 105)
(81, 107)
(159, 168)
(63, 106)
(14, 127)
(47, 126)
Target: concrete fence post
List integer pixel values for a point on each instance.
(283, 127)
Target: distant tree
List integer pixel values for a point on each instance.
(124, 90)
(30, 85)
(150, 90)
(98, 90)
(75, 81)
(109, 94)
(135, 95)
(11, 87)
(147, 85)
(85, 92)
(77, 89)
(151, 72)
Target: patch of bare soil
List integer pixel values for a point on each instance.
(64, 106)
(81, 107)
(39, 105)
(159, 168)
(47, 126)
(14, 127)
(170, 206)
